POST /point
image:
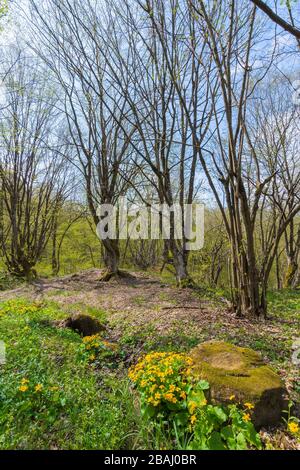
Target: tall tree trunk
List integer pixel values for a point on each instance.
(292, 248)
(180, 264)
(111, 259)
(54, 260)
(179, 261)
(278, 277)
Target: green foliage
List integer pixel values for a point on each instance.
(94, 349)
(8, 282)
(292, 422)
(37, 400)
(80, 248)
(224, 428)
(18, 307)
(78, 407)
(87, 404)
(284, 303)
(177, 407)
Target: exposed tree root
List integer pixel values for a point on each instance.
(110, 275)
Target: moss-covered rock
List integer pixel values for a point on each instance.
(231, 370)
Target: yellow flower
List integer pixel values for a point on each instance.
(153, 402)
(249, 406)
(24, 381)
(38, 388)
(204, 402)
(192, 406)
(246, 417)
(183, 395)
(170, 397)
(293, 427)
(232, 397)
(193, 419)
(92, 357)
(23, 388)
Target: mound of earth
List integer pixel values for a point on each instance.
(85, 325)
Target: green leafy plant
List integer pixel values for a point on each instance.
(37, 399)
(292, 423)
(224, 428)
(92, 347)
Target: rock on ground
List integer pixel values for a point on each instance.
(231, 370)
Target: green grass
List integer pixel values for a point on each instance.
(91, 409)
(285, 304)
(8, 282)
(93, 406)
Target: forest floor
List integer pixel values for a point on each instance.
(142, 314)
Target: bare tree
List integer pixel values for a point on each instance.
(290, 28)
(276, 144)
(97, 114)
(168, 159)
(33, 178)
(229, 30)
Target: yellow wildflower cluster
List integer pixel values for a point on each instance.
(94, 344)
(91, 341)
(194, 405)
(162, 377)
(18, 307)
(37, 388)
(24, 385)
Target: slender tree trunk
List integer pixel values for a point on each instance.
(292, 248)
(246, 291)
(291, 272)
(278, 278)
(54, 250)
(296, 282)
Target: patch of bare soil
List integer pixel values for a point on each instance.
(141, 300)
